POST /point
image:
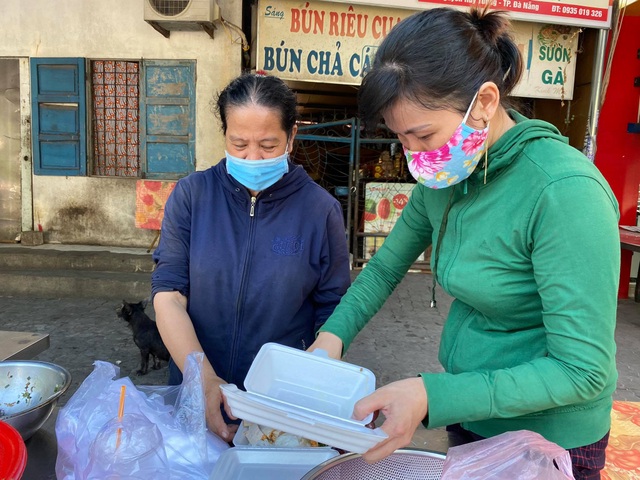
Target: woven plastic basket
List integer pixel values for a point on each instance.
(403, 464)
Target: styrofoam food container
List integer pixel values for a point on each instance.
(240, 440)
(306, 394)
(269, 464)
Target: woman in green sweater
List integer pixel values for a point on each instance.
(525, 238)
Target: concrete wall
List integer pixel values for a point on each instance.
(101, 210)
(86, 210)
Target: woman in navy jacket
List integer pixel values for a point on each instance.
(252, 250)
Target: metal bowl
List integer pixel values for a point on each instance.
(403, 464)
(29, 391)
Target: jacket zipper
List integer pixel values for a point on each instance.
(461, 210)
(446, 268)
(241, 293)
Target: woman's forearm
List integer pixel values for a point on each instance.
(177, 330)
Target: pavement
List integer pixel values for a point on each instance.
(400, 341)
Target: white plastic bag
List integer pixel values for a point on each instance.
(131, 447)
(164, 429)
(524, 455)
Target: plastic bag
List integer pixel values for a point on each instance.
(129, 448)
(523, 455)
(163, 432)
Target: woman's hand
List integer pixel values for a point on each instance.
(328, 342)
(213, 400)
(404, 405)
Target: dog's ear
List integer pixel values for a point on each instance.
(121, 306)
(126, 307)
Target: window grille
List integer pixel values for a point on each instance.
(116, 133)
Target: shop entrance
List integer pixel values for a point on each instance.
(366, 174)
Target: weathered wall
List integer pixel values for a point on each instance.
(101, 210)
(88, 210)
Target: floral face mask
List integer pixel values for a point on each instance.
(454, 161)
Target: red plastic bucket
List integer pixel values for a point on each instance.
(13, 453)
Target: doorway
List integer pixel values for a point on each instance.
(10, 197)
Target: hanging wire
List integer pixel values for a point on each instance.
(240, 39)
(576, 32)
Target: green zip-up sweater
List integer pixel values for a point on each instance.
(532, 259)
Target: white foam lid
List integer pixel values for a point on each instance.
(306, 394)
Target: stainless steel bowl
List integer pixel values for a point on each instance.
(29, 391)
(403, 464)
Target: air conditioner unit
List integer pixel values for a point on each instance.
(168, 15)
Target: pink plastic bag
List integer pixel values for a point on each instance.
(523, 455)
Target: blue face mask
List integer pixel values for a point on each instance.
(257, 174)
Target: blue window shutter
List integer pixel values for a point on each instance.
(167, 129)
(58, 116)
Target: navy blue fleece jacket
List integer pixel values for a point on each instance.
(254, 270)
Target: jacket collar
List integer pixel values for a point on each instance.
(511, 144)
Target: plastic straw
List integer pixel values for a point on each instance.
(123, 390)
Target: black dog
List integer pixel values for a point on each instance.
(145, 334)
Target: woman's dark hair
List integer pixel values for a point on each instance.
(439, 58)
(263, 90)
